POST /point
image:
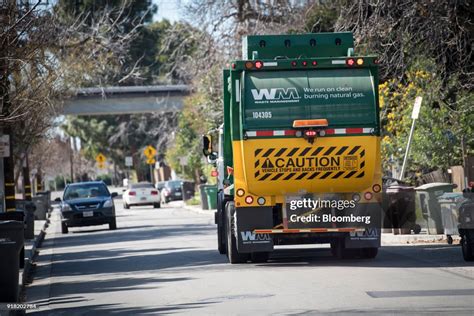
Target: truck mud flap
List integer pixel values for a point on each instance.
(369, 238)
(248, 219)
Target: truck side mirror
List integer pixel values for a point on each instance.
(206, 145)
(212, 158)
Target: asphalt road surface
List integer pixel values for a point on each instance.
(164, 261)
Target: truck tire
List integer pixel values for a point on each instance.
(339, 250)
(369, 253)
(232, 253)
(259, 257)
(467, 248)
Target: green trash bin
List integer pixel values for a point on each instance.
(429, 213)
(211, 192)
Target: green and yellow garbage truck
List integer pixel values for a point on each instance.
(298, 155)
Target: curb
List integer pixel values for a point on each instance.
(29, 263)
(198, 210)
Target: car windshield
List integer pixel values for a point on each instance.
(85, 190)
(141, 186)
(174, 184)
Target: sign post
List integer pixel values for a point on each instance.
(414, 116)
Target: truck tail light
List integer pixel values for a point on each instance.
(310, 133)
(294, 63)
(376, 188)
(304, 63)
(132, 193)
(248, 199)
(314, 63)
(240, 192)
(360, 61)
(261, 200)
(368, 195)
(258, 64)
(350, 62)
(310, 123)
(248, 65)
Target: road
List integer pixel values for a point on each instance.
(163, 261)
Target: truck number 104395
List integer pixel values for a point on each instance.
(262, 115)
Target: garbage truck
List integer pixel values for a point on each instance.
(298, 154)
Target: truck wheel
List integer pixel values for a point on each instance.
(259, 257)
(64, 228)
(467, 249)
(369, 253)
(339, 250)
(232, 253)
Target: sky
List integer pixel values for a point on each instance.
(169, 9)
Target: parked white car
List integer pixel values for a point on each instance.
(142, 193)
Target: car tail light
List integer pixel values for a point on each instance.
(154, 192)
(132, 193)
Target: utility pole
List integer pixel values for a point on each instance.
(414, 116)
(26, 178)
(71, 158)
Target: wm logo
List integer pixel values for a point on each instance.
(251, 236)
(275, 94)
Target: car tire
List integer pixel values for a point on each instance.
(126, 206)
(156, 205)
(64, 228)
(467, 249)
(113, 224)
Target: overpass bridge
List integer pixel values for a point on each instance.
(126, 100)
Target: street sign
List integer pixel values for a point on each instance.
(5, 146)
(101, 165)
(150, 161)
(100, 158)
(129, 161)
(416, 108)
(149, 152)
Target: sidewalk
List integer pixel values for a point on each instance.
(387, 238)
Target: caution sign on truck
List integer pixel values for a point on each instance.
(307, 163)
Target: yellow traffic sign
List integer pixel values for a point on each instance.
(101, 165)
(150, 151)
(100, 158)
(150, 161)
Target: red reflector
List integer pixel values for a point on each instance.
(132, 193)
(154, 192)
(214, 173)
(249, 199)
(350, 62)
(314, 63)
(304, 63)
(293, 63)
(376, 188)
(258, 64)
(310, 133)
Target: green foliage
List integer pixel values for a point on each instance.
(105, 177)
(441, 125)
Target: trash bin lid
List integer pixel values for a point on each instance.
(435, 186)
(399, 188)
(450, 197)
